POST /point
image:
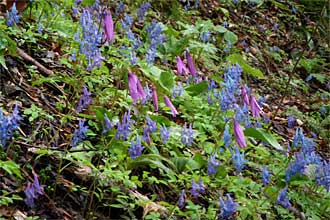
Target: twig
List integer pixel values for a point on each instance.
(27, 57)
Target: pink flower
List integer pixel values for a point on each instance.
(191, 65)
(170, 105)
(155, 98)
(245, 95)
(255, 108)
(108, 26)
(239, 135)
(135, 88)
(180, 66)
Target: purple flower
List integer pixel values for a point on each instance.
(146, 136)
(33, 191)
(265, 176)
(107, 124)
(255, 108)
(108, 26)
(187, 137)
(85, 99)
(191, 65)
(228, 208)
(180, 66)
(170, 105)
(181, 202)
(291, 121)
(142, 11)
(79, 134)
(212, 165)
(226, 136)
(136, 148)
(164, 133)
(238, 159)
(8, 125)
(154, 98)
(197, 189)
(135, 87)
(124, 128)
(152, 125)
(239, 135)
(244, 93)
(283, 199)
(323, 175)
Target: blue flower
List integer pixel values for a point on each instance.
(187, 137)
(136, 148)
(226, 136)
(212, 165)
(323, 175)
(152, 125)
(124, 128)
(8, 124)
(12, 16)
(197, 189)
(238, 159)
(283, 199)
(181, 202)
(85, 99)
(205, 36)
(79, 134)
(291, 121)
(265, 176)
(120, 8)
(177, 90)
(298, 166)
(156, 38)
(228, 208)
(142, 11)
(107, 124)
(164, 133)
(33, 191)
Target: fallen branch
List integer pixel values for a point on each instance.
(27, 57)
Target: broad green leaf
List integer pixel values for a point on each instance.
(88, 2)
(3, 62)
(167, 80)
(180, 163)
(152, 72)
(237, 58)
(262, 135)
(196, 89)
(220, 29)
(230, 37)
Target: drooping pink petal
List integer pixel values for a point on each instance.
(132, 86)
(255, 108)
(245, 95)
(140, 89)
(191, 65)
(109, 26)
(180, 66)
(155, 98)
(239, 135)
(171, 106)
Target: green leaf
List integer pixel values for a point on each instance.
(220, 29)
(152, 72)
(196, 89)
(262, 135)
(230, 37)
(88, 2)
(237, 58)
(180, 163)
(167, 80)
(11, 167)
(3, 62)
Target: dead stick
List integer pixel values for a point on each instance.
(27, 57)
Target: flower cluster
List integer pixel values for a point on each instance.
(182, 201)
(323, 175)
(291, 121)
(91, 37)
(107, 124)
(79, 134)
(165, 133)
(283, 199)
(226, 136)
(177, 90)
(135, 88)
(85, 100)
(124, 128)
(136, 148)
(228, 208)
(33, 191)
(212, 165)
(12, 16)
(187, 135)
(197, 189)
(142, 11)
(108, 26)
(156, 38)
(239, 135)
(265, 176)
(238, 159)
(8, 124)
